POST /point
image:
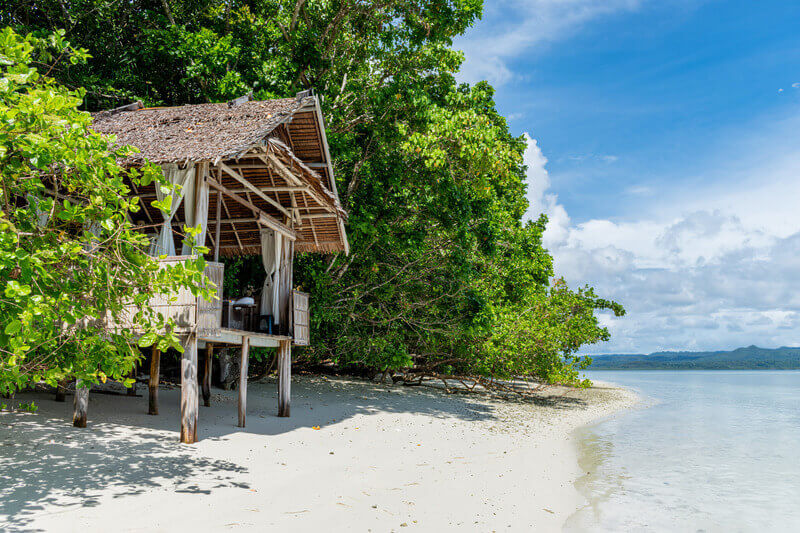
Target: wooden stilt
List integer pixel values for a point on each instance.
(189, 393)
(81, 405)
(243, 380)
(134, 375)
(61, 391)
(155, 369)
(284, 378)
(207, 375)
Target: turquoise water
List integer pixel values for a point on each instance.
(708, 451)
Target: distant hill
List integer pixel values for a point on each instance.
(750, 358)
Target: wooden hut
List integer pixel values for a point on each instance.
(257, 177)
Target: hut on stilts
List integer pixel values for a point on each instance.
(256, 176)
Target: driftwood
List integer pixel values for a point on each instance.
(470, 383)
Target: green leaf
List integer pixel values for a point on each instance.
(13, 327)
(147, 339)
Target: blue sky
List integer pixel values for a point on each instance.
(664, 143)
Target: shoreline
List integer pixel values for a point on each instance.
(385, 458)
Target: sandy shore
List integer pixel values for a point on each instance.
(383, 459)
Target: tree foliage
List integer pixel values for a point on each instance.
(444, 274)
(70, 259)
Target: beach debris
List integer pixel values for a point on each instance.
(315, 427)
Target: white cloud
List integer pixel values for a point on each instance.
(640, 190)
(704, 270)
(511, 27)
(539, 200)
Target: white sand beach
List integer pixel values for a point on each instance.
(385, 458)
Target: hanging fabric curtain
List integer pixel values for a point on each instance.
(42, 216)
(95, 229)
(200, 216)
(164, 244)
(271, 256)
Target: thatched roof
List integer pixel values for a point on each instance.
(200, 132)
(277, 148)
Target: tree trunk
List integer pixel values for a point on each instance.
(81, 405)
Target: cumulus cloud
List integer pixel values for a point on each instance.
(539, 199)
(518, 25)
(700, 278)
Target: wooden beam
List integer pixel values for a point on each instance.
(284, 378)
(233, 220)
(219, 214)
(228, 214)
(263, 218)
(255, 340)
(287, 174)
(189, 396)
(242, 190)
(241, 179)
(155, 369)
(142, 207)
(276, 189)
(207, 375)
(311, 216)
(81, 406)
(310, 221)
(243, 380)
(320, 124)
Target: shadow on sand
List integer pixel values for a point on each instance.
(45, 463)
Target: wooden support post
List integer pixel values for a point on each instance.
(61, 391)
(155, 369)
(217, 230)
(207, 375)
(189, 393)
(134, 375)
(81, 405)
(284, 377)
(243, 379)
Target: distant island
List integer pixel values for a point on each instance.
(750, 358)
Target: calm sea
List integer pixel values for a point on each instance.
(708, 451)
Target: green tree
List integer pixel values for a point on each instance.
(443, 275)
(70, 259)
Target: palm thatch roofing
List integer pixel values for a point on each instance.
(199, 132)
(278, 147)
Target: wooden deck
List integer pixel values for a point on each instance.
(236, 336)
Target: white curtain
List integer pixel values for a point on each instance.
(271, 242)
(42, 217)
(164, 244)
(194, 218)
(95, 229)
